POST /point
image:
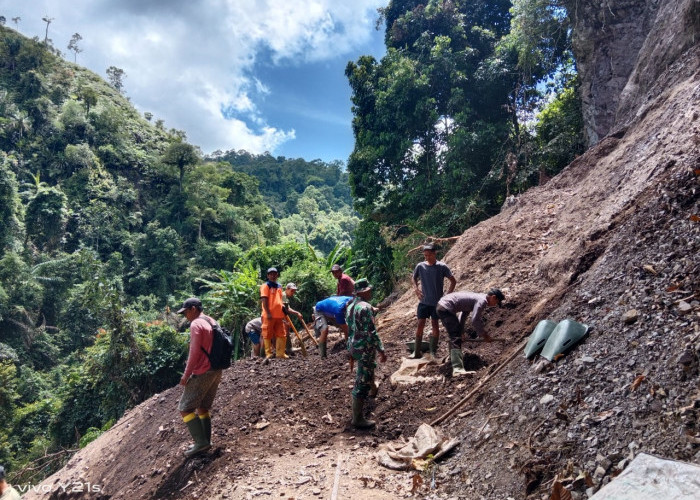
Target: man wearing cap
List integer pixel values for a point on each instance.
(345, 282)
(431, 273)
(7, 492)
(289, 292)
(200, 381)
(464, 302)
(273, 315)
(363, 344)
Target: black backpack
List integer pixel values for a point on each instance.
(221, 347)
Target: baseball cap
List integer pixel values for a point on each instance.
(429, 246)
(272, 270)
(191, 302)
(291, 286)
(336, 267)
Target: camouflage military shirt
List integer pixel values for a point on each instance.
(362, 334)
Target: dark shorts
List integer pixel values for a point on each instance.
(254, 337)
(425, 311)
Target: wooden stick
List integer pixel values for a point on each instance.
(303, 347)
(309, 333)
(466, 398)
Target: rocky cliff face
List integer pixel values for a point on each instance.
(608, 35)
(621, 47)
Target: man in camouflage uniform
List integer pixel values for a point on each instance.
(363, 344)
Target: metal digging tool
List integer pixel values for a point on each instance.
(301, 341)
(309, 333)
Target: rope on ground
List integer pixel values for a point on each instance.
(466, 398)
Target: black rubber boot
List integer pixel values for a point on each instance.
(358, 419)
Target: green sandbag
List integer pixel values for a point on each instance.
(539, 337)
(566, 335)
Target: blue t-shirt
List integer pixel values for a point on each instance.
(334, 306)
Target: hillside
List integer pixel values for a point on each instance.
(618, 230)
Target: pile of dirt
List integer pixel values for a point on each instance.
(612, 242)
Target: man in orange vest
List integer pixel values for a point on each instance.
(273, 315)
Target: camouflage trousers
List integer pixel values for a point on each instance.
(364, 377)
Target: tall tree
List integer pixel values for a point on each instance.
(180, 155)
(429, 118)
(48, 20)
(73, 45)
(116, 77)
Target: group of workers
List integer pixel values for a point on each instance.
(350, 310)
(274, 322)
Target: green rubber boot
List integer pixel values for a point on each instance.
(358, 419)
(417, 350)
(322, 349)
(457, 364)
(206, 425)
(433, 345)
(194, 425)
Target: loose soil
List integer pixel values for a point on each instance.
(618, 231)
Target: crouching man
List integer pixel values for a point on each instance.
(363, 344)
(200, 381)
(451, 305)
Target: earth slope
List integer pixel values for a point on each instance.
(618, 231)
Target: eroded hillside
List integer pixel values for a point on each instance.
(618, 231)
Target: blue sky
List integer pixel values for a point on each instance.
(257, 75)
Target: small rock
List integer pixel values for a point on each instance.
(316, 491)
(684, 307)
(630, 316)
(599, 473)
(588, 359)
(548, 398)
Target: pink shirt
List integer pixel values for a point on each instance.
(200, 336)
(346, 286)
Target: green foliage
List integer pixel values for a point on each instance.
(282, 180)
(158, 261)
(10, 206)
(8, 397)
(280, 256)
(374, 257)
(90, 435)
(437, 122)
(45, 218)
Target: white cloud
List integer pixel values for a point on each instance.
(190, 62)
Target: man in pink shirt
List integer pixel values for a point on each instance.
(346, 285)
(200, 381)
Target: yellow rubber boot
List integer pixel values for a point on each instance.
(281, 343)
(268, 348)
